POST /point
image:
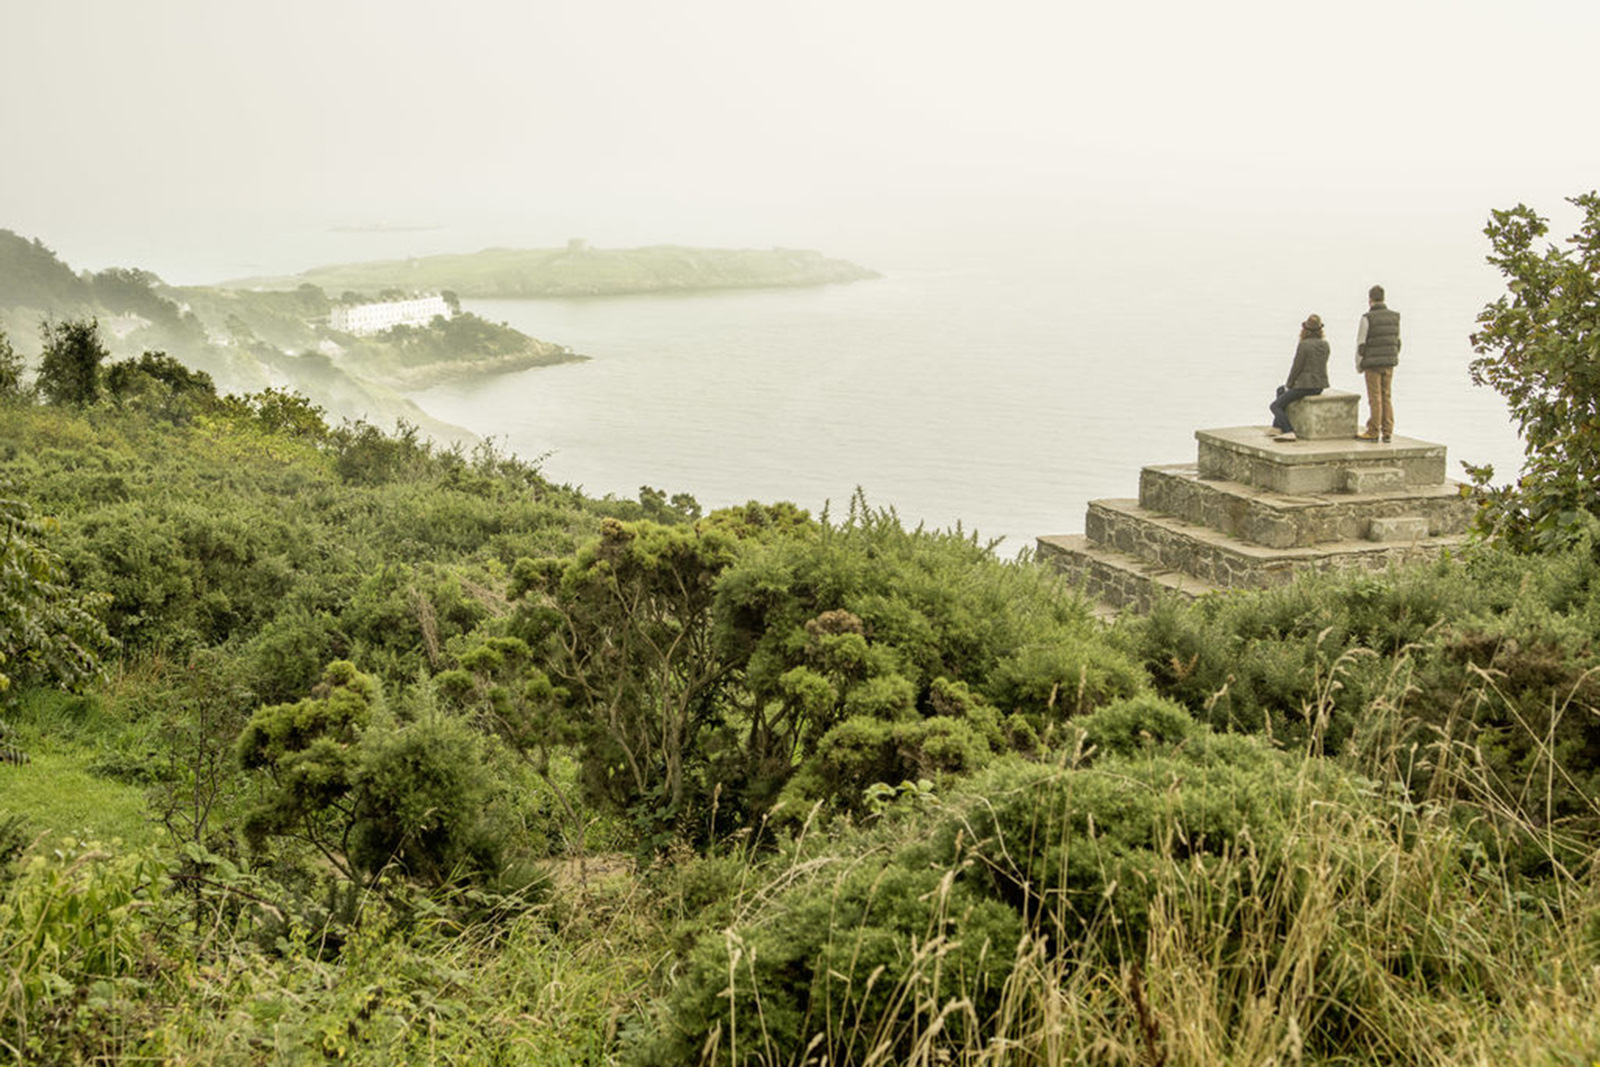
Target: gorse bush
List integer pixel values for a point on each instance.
(757, 661)
(1304, 899)
(238, 527)
(1469, 680)
(50, 633)
(368, 792)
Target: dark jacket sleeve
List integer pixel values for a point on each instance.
(1297, 366)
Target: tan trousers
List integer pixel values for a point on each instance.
(1381, 421)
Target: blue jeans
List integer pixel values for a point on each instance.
(1280, 406)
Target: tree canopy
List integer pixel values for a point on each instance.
(10, 368)
(1539, 347)
(69, 366)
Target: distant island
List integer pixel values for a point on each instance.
(577, 270)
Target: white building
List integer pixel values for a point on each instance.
(375, 318)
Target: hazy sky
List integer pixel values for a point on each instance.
(156, 132)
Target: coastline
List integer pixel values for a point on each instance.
(577, 271)
(540, 354)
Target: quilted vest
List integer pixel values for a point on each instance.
(1383, 338)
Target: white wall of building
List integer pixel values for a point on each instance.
(375, 318)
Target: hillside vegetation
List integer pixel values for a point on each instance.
(249, 341)
(326, 743)
(579, 270)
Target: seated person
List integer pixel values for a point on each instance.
(1308, 377)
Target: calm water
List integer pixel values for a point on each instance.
(1003, 392)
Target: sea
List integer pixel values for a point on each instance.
(995, 386)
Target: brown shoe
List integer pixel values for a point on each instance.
(1368, 436)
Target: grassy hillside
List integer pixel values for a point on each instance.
(407, 755)
(579, 271)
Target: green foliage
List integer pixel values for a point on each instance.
(1127, 727)
(11, 368)
(237, 527)
(50, 634)
(926, 653)
(160, 384)
(1467, 681)
(461, 336)
(1298, 662)
(699, 668)
(658, 508)
(134, 292)
(368, 792)
(32, 276)
(69, 367)
(365, 455)
(422, 790)
(497, 685)
(1539, 347)
(855, 962)
(911, 933)
(861, 754)
(308, 751)
(281, 413)
(72, 942)
(624, 630)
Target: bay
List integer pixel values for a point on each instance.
(1001, 389)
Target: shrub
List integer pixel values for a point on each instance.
(906, 936)
(862, 960)
(421, 791)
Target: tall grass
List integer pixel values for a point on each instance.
(1369, 926)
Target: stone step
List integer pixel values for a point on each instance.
(1401, 528)
(1374, 479)
(1114, 578)
(1248, 455)
(1277, 520)
(1219, 559)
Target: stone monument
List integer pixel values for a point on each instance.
(1253, 511)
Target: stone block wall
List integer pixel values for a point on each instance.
(1253, 512)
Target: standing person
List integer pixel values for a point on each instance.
(1377, 352)
(1307, 377)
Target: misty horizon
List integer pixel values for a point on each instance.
(201, 141)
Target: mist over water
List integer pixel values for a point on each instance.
(1101, 224)
(1000, 383)
(1020, 357)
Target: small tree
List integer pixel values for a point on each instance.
(10, 368)
(1539, 347)
(157, 382)
(69, 367)
(624, 631)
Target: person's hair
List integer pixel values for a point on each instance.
(1311, 328)
(1375, 294)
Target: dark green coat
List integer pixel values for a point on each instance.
(1310, 370)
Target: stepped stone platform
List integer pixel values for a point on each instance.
(1254, 512)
